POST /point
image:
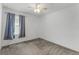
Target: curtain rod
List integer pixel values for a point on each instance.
(13, 13)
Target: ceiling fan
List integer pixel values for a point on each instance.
(38, 8)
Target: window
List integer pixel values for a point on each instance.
(15, 26)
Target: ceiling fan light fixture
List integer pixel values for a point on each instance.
(37, 10)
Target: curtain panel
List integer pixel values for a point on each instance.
(9, 29)
(22, 26)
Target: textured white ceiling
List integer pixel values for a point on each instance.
(28, 7)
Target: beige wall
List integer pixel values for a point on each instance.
(62, 27)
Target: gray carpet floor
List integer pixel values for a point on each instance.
(36, 47)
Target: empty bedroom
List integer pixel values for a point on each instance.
(39, 28)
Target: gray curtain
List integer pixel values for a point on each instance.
(9, 30)
(22, 26)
